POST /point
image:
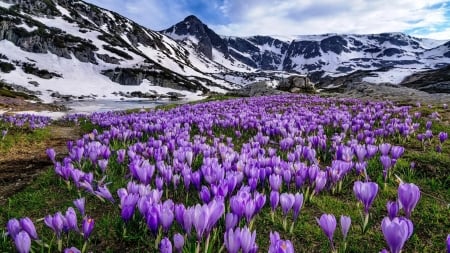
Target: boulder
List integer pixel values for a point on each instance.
(297, 84)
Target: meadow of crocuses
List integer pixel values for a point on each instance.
(288, 173)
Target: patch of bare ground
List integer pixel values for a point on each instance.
(23, 162)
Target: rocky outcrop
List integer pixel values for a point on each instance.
(297, 84)
(433, 81)
(394, 93)
(254, 90)
(129, 76)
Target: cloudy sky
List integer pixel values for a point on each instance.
(422, 18)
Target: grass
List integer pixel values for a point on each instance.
(48, 194)
(22, 137)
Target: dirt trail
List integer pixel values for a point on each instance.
(22, 163)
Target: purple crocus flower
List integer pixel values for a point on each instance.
(166, 218)
(274, 199)
(165, 246)
(232, 240)
(279, 246)
(13, 227)
(152, 219)
(28, 226)
(396, 232)
(443, 136)
(56, 223)
(384, 148)
(320, 181)
(79, 204)
(327, 223)
(397, 152)
(88, 226)
(286, 201)
(71, 219)
(102, 164)
(128, 204)
(366, 193)
(345, 221)
(231, 220)
(23, 242)
(247, 241)
(72, 250)
(392, 208)
(408, 196)
(104, 193)
(178, 242)
(275, 182)
(121, 155)
(448, 243)
(298, 203)
(51, 154)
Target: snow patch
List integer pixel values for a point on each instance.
(5, 5)
(394, 76)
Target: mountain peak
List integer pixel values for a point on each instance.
(192, 19)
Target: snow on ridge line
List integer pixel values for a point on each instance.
(5, 5)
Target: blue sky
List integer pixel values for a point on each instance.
(421, 18)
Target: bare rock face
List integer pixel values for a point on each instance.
(255, 89)
(297, 84)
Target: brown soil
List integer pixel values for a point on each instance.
(22, 163)
(21, 104)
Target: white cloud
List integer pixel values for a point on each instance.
(293, 17)
(331, 16)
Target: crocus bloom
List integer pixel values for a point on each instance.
(51, 154)
(384, 148)
(231, 220)
(72, 250)
(396, 232)
(88, 226)
(443, 136)
(448, 243)
(346, 221)
(279, 246)
(327, 223)
(71, 219)
(28, 226)
(23, 242)
(247, 241)
(397, 151)
(232, 240)
(165, 246)
(55, 222)
(275, 182)
(287, 201)
(79, 204)
(13, 227)
(392, 208)
(408, 196)
(274, 199)
(103, 192)
(298, 203)
(365, 192)
(320, 181)
(178, 242)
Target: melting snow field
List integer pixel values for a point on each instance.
(394, 76)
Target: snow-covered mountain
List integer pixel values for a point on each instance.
(318, 55)
(61, 48)
(69, 48)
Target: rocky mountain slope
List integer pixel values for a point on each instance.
(319, 55)
(63, 48)
(69, 48)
